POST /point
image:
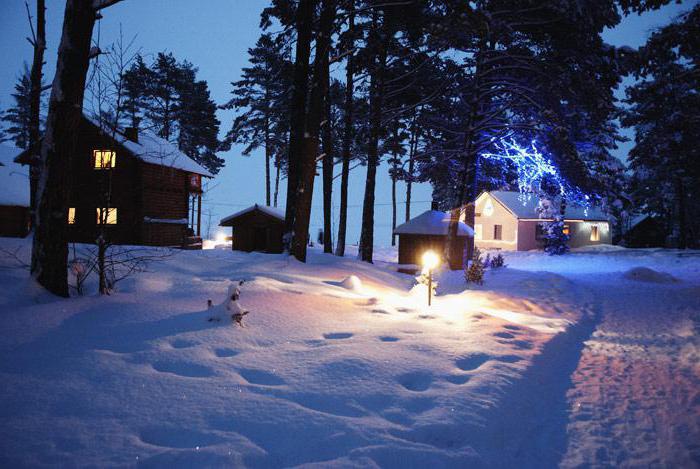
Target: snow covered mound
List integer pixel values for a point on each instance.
(645, 274)
(351, 282)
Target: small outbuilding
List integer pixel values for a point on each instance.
(14, 195)
(428, 231)
(257, 228)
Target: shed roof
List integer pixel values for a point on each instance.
(525, 206)
(14, 179)
(271, 211)
(432, 222)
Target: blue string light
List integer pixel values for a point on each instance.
(533, 169)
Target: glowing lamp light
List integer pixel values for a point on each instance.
(220, 237)
(430, 261)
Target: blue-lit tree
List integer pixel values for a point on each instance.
(537, 175)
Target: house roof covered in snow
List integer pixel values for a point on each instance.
(525, 206)
(14, 179)
(432, 222)
(271, 211)
(152, 149)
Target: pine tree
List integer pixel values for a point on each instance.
(167, 98)
(664, 110)
(261, 97)
(18, 117)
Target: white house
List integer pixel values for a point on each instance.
(509, 221)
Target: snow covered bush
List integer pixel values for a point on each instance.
(474, 272)
(556, 241)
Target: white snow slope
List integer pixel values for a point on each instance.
(370, 376)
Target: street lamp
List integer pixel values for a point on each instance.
(430, 261)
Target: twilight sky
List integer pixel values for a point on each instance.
(215, 35)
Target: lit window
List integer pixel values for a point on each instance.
(595, 236)
(488, 208)
(566, 230)
(71, 216)
(108, 215)
(478, 231)
(104, 159)
(497, 232)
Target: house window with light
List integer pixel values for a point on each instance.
(104, 159)
(71, 216)
(478, 231)
(108, 216)
(566, 230)
(595, 235)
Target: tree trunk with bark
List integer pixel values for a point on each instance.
(307, 163)
(36, 75)
(375, 110)
(347, 135)
(412, 149)
(304, 22)
(50, 245)
(327, 169)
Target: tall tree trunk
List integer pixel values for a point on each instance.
(36, 76)
(375, 120)
(297, 124)
(682, 218)
(50, 245)
(268, 152)
(277, 178)
(393, 207)
(347, 134)
(412, 149)
(327, 171)
(307, 163)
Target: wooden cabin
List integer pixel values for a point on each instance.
(14, 195)
(137, 186)
(509, 221)
(428, 231)
(257, 228)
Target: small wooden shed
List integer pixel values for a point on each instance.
(429, 231)
(257, 228)
(14, 195)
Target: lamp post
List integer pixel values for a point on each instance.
(430, 261)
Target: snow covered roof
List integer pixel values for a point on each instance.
(272, 211)
(525, 206)
(153, 149)
(14, 179)
(432, 222)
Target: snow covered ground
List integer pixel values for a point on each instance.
(577, 360)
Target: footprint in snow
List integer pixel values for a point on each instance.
(504, 335)
(472, 362)
(225, 352)
(261, 377)
(388, 338)
(337, 335)
(511, 328)
(458, 379)
(380, 311)
(417, 381)
(182, 343)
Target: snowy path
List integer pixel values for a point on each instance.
(635, 399)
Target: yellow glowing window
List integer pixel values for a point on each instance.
(107, 216)
(595, 236)
(566, 230)
(105, 159)
(71, 215)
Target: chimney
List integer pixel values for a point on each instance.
(132, 133)
(434, 205)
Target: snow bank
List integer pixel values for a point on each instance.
(645, 274)
(14, 179)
